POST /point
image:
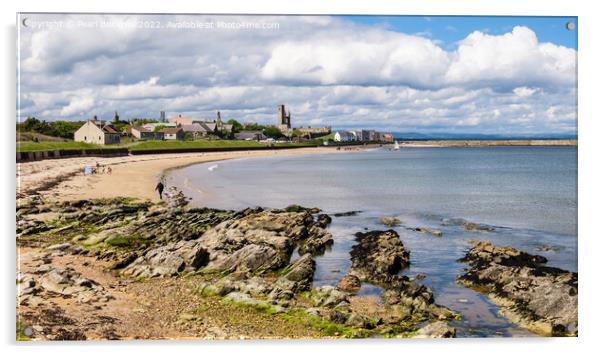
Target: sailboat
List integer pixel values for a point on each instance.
(396, 145)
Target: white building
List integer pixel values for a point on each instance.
(97, 132)
(344, 136)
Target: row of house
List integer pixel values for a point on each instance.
(99, 132)
(362, 135)
(175, 128)
(200, 128)
(149, 133)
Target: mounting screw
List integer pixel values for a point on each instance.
(570, 26)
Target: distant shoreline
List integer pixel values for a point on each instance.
(480, 143)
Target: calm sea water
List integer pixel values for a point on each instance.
(529, 194)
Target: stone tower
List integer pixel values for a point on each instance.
(284, 118)
(162, 115)
(115, 117)
(218, 122)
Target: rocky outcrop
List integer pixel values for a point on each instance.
(350, 283)
(409, 299)
(540, 298)
(425, 230)
(329, 296)
(390, 221)
(263, 241)
(437, 329)
(469, 225)
(175, 198)
(58, 282)
(242, 257)
(346, 213)
(378, 255)
(169, 260)
(301, 272)
(123, 222)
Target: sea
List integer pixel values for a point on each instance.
(528, 195)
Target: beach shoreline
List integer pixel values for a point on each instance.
(111, 231)
(131, 176)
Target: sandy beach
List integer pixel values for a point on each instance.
(131, 176)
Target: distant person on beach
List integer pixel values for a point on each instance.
(109, 170)
(159, 188)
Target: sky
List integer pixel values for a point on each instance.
(487, 75)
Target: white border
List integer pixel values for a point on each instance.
(589, 166)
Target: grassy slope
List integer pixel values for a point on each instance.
(327, 137)
(156, 144)
(27, 146)
(30, 136)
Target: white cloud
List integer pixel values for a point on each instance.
(77, 106)
(524, 91)
(510, 59)
(378, 58)
(327, 70)
(387, 58)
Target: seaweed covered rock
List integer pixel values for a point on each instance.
(377, 258)
(540, 298)
(350, 283)
(262, 241)
(378, 255)
(410, 299)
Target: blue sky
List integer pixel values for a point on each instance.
(451, 29)
(483, 75)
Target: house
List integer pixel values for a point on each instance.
(143, 133)
(250, 135)
(361, 135)
(191, 125)
(152, 126)
(196, 130)
(173, 133)
(344, 136)
(199, 129)
(181, 120)
(387, 137)
(97, 132)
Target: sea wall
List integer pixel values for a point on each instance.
(58, 154)
(216, 149)
(524, 142)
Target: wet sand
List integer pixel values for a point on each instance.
(131, 176)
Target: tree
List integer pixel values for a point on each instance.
(253, 126)
(236, 126)
(63, 129)
(273, 132)
(159, 127)
(141, 121)
(31, 124)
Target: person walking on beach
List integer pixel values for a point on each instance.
(159, 188)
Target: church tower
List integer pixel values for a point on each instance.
(284, 118)
(218, 122)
